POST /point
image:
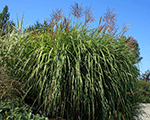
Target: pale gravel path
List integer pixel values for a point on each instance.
(145, 111)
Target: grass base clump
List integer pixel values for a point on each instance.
(73, 73)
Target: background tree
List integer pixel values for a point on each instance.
(37, 27)
(5, 23)
(135, 50)
(146, 76)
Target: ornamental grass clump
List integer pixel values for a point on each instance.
(73, 72)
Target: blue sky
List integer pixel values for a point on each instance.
(135, 12)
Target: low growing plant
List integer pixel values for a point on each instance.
(144, 91)
(12, 110)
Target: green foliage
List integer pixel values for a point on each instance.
(146, 76)
(5, 23)
(144, 87)
(71, 71)
(13, 110)
(144, 91)
(134, 47)
(74, 74)
(37, 26)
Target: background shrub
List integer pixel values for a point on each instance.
(144, 91)
(144, 87)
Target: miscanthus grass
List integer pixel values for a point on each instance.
(75, 73)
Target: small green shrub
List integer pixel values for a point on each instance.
(13, 110)
(144, 91)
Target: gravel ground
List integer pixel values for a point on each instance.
(145, 111)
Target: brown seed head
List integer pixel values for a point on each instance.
(55, 17)
(89, 15)
(76, 10)
(125, 29)
(110, 19)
